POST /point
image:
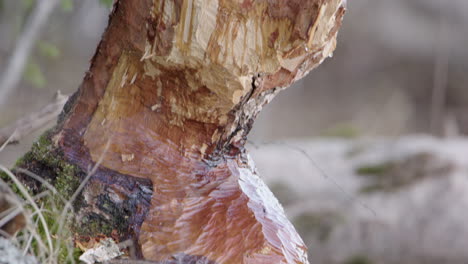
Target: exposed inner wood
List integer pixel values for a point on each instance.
(173, 90)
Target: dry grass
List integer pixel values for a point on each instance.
(48, 214)
(43, 235)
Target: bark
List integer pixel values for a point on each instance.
(165, 109)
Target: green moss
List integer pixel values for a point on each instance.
(374, 170)
(4, 176)
(380, 175)
(50, 164)
(396, 174)
(67, 182)
(359, 259)
(371, 188)
(94, 224)
(46, 161)
(62, 238)
(341, 131)
(69, 255)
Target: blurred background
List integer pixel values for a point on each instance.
(367, 153)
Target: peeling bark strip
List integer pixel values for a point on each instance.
(174, 87)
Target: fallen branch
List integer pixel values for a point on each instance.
(28, 124)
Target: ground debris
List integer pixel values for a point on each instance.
(106, 250)
(10, 254)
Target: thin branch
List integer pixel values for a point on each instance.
(24, 45)
(28, 124)
(350, 197)
(440, 82)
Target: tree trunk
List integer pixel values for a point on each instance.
(164, 112)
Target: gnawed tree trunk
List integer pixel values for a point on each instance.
(165, 109)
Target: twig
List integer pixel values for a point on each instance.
(441, 70)
(28, 124)
(24, 45)
(322, 172)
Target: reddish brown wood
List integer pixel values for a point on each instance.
(171, 94)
